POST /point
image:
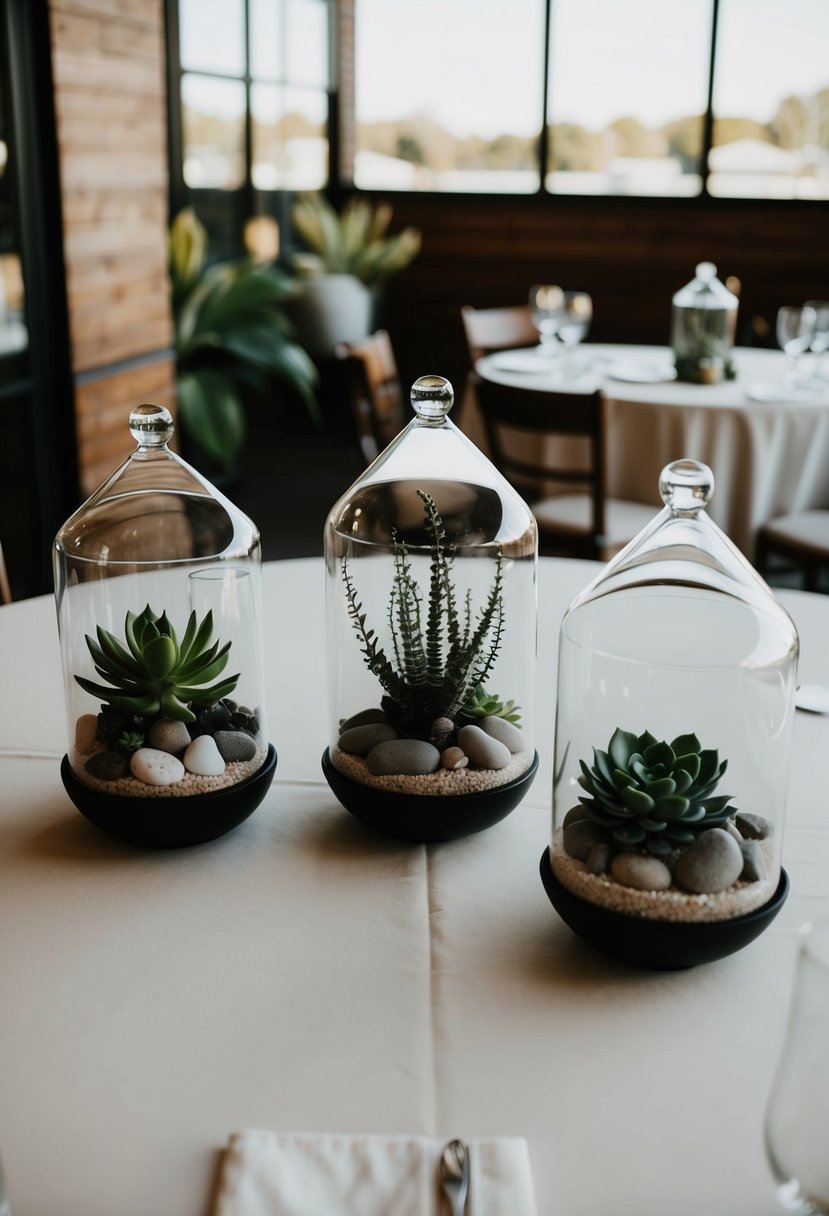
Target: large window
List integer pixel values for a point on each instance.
(643, 97)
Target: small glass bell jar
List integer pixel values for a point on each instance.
(703, 324)
(674, 714)
(431, 614)
(157, 583)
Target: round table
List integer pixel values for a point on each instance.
(769, 457)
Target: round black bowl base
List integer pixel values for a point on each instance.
(171, 823)
(427, 818)
(660, 945)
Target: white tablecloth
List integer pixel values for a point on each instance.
(768, 458)
(302, 974)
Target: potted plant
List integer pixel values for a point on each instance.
(348, 257)
(233, 337)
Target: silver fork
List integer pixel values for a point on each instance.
(454, 1176)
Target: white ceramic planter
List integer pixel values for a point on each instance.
(332, 308)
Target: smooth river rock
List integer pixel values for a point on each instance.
(482, 749)
(364, 718)
(166, 735)
(359, 740)
(580, 836)
(643, 873)
(712, 863)
(403, 757)
(752, 827)
(754, 861)
(86, 732)
(235, 745)
(453, 758)
(505, 732)
(107, 766)
(574, 814)
(154, 767)
(204, 758)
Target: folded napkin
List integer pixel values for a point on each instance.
(269, 1174)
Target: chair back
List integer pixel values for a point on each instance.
(546, 416)
(5, 588)
(489, 329)
(374, 391)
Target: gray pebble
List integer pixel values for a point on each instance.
(107, 766)
(505, 732)
(167, 735)
(235, 745)
(580, 837)
(482, 749)
(732, 829)
(442, 726)
(598, 859)
(753, 827)
(364, 718)
(403, 757)
(643, 873)
(754, 861)
(359, 740)
(712, 863)
(575, 813)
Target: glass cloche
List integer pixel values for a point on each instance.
(431, 614)
(158, 590)
(674, 714)
(703, 325)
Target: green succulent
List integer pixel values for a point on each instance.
(130, 741)
(654, 794)
(483, 704)
(155, 674)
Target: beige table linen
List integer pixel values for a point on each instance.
(303, 973)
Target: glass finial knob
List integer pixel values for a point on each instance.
(151, 426)
(432, 397)
(686, 486)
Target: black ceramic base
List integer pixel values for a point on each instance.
(425, 818)
(660, 945)
(171, 823)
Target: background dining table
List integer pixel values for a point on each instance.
(303, 974)
(770, 456)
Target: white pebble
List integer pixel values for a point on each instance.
(168, 736)
(203, 757)
(155, 768)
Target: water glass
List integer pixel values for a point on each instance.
(795, 331)
(575, 322)
(797, 1116)
(547, 312)
(820, 337)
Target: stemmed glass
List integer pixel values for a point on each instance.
(797, 1115)
(795, 331)
(547, 312)
(575, 323)
(820, 338)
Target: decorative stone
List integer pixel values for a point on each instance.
(366, 717)
(598, 859)
(204, 758)
(167, 735)
(112, 723)
(86, 732)
(453, 758)
(482, 749)
(403, 757)
(441, 732)
(209, 719)
(754, 862)
(234, 745)
(505, 732)
(712, 863)
(107, 766)
(753, 827)
(153, 767)
(359, 740)
(580, 837)
(731, 827)
(573, 815)
(643, 873)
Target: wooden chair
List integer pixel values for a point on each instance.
(802, 539)
(374, 391)
(582, 524)
(489, 329)
(5, 588)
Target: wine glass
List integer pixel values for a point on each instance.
(797, 1115)
(575, 323)
(795, 331)
(547, 310)
(820, 338)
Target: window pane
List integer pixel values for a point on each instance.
(266, 39)
(627, 95)
(212, 36)
(448, 96)
(290, 145)
(14, 336)
(771, 100)
(213, 119)
(307, 43)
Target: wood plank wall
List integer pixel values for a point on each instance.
(110, 100)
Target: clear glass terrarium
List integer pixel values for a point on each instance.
(674, 716)
(158, 590)
(703, 324)
(431, 615)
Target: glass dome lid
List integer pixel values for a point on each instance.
(705, 291)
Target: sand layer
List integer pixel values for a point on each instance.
(191, 783)
(673, 904)
(443, 782)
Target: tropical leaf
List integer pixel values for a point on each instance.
(212, 411)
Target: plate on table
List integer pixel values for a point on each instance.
(526, 360)
(813, 698)
(779, 393)
(641, 373)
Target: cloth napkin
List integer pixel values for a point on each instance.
(269, 1174)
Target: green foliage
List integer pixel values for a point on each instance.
(154, 674)
(440, 657)
(654, 794)
(354, 242)
(232, 337)
(130, 741)
(482, 704)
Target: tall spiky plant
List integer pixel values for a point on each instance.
(440, 657)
